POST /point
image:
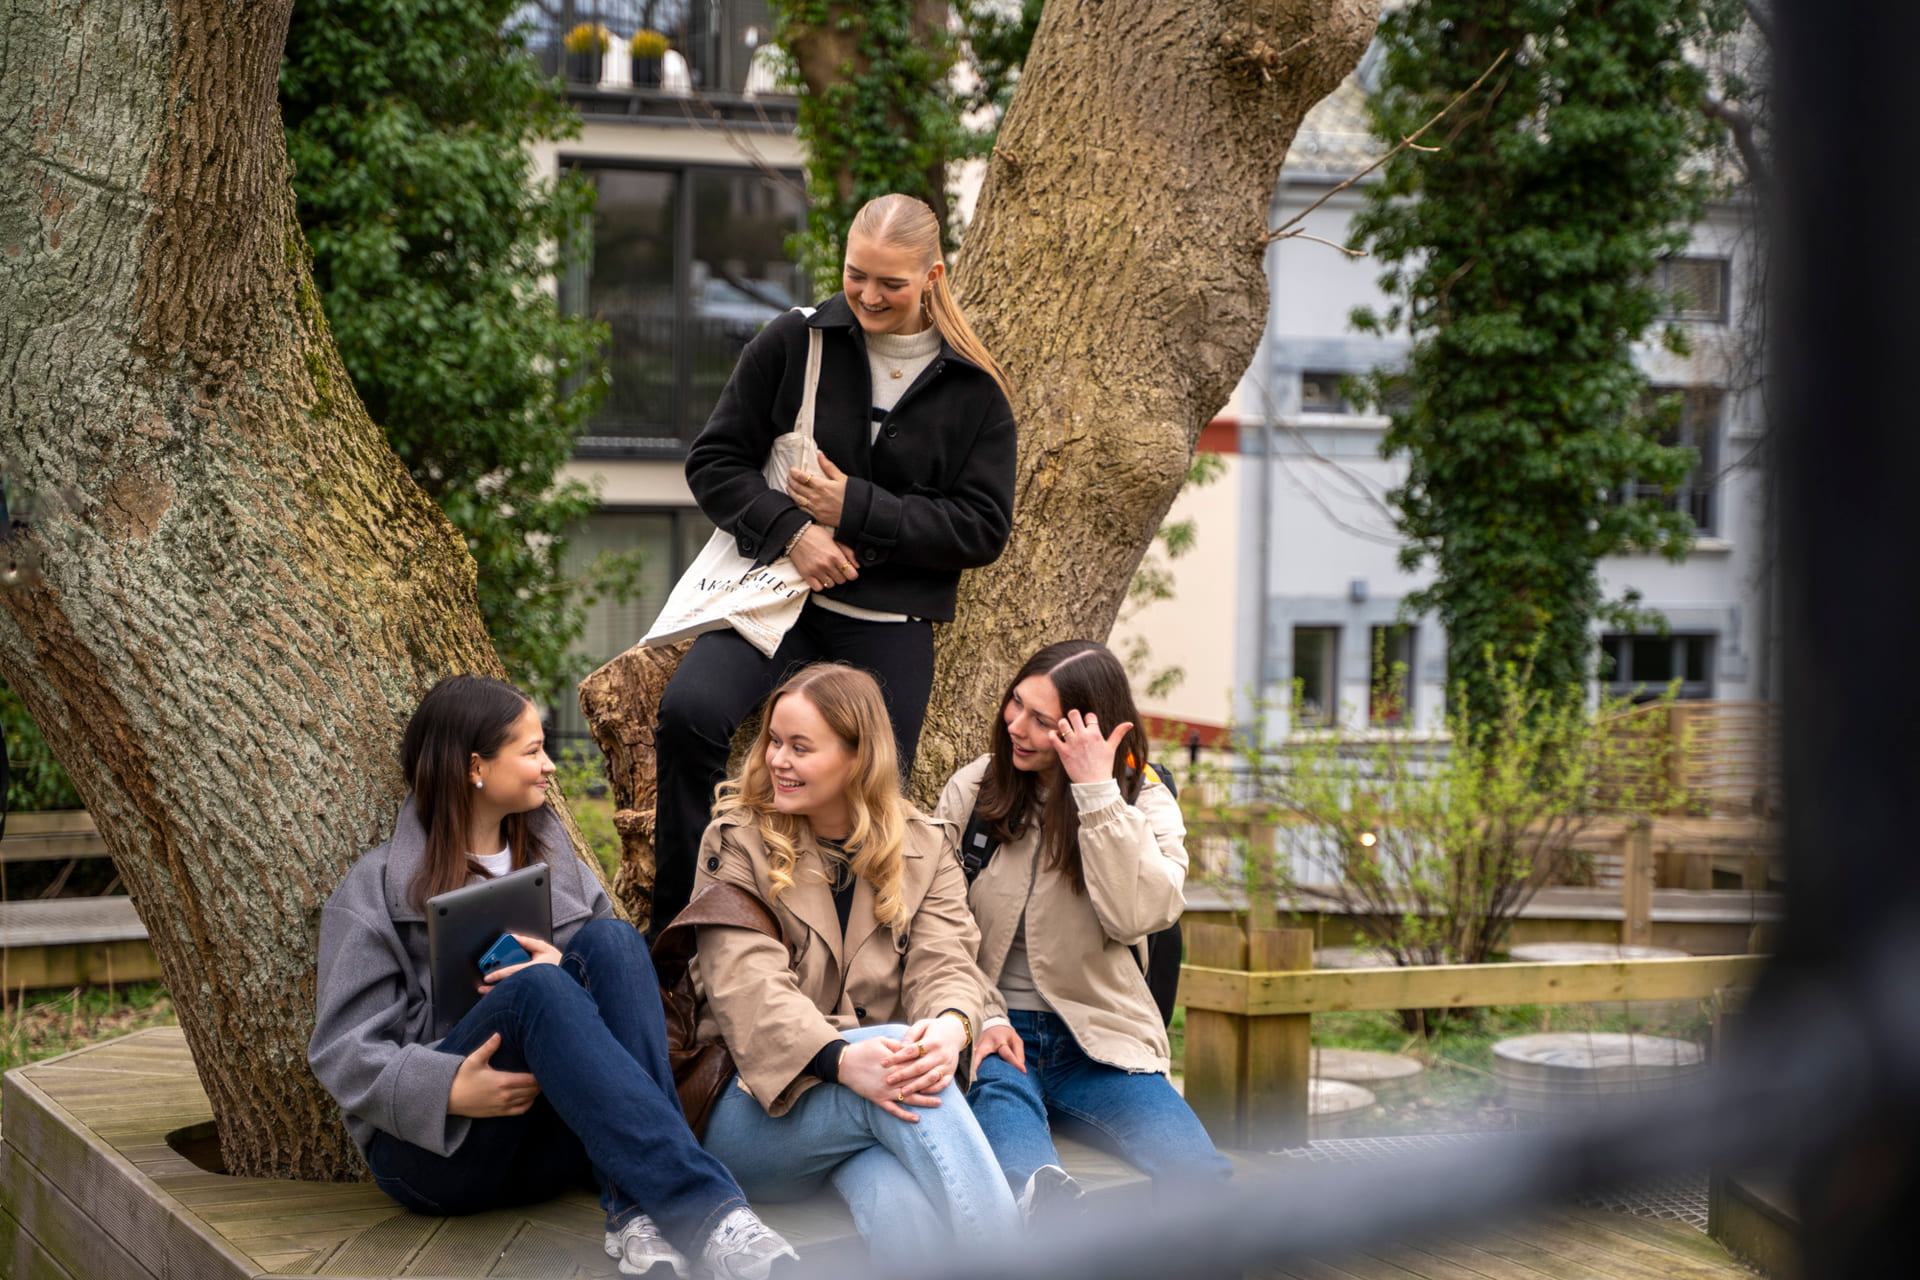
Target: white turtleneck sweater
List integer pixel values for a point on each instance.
(896, 360)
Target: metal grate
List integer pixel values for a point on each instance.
(1678, 1197)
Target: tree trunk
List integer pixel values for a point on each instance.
(1116, 266)
(232, 594)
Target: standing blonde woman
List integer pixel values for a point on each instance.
(849, 1029)
(914, 483)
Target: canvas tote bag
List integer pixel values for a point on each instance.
(722, 588)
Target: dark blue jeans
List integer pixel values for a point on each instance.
(1137, 1115)
(591, 1031)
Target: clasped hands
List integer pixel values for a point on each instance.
(823, 560)
(909, 1071)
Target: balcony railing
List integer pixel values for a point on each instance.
(721, 52)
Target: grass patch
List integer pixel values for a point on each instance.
(1458, 1089)
(596, 824)
(582, 778)
(48, 1024)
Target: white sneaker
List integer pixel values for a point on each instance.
(641, 1248)
(1050, 1192)
(743, 1248)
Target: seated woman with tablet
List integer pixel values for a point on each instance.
(559, 1071)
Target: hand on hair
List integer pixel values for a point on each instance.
(1084, 753)
(823, 497)
(822, 561)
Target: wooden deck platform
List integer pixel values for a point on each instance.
(91, 1189)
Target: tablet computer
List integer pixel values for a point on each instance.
(463, 923)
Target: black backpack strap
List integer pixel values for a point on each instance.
(977, 844)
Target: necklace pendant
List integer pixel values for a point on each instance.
(898, 372)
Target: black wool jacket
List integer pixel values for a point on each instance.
(930, 496)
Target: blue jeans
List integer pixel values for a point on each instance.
(906, 1184)
(591, 1031)
(1137, 1115)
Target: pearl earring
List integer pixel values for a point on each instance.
(478, 783)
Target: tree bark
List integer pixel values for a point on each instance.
(232, 593)
(1116, 266)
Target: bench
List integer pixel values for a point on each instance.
(91, 1186)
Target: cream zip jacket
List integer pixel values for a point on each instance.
(1082, 947)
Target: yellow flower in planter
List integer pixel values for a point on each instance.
(588, 37)
(647, 44)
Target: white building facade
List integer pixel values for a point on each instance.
(1296, 557)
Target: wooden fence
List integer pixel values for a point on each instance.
(1251, 995)
(1723, 756)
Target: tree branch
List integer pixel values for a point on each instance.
(1288, 229)
(1740, 127)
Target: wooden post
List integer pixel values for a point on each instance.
(1263, 890)
(1636, 885)
(1279, 1048)
(1216, 1070)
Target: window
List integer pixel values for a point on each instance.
(1320, 393)
(1698, 428)
(668, 541)
(685, 266)
(1390, 677)
(1316, 690)
(1694, 288)
(1640, 667)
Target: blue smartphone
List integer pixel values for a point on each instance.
(505, 951)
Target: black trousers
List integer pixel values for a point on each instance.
(720, 682)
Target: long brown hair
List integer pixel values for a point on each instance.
(849, 700)
(1090, 680)
(911, 224)
(461, 717)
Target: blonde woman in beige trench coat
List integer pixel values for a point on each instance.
(851, 1032)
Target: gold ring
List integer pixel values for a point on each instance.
(923, 1048)
(846, 566)
(900, 1095)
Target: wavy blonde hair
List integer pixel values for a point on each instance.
(911, 224)
(849, 700)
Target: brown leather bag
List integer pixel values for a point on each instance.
(700, 1071)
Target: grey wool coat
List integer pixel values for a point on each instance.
(373, 1035)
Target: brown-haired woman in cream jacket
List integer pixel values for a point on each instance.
(1091, 861)
(848, 1030)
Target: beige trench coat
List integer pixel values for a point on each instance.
(1082, 946)
(775, 1012)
